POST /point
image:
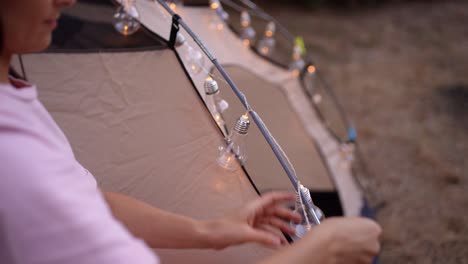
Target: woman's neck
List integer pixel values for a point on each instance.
(4, 67)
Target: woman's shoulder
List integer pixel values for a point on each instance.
(18, 90)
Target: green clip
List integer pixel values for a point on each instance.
(299, 41)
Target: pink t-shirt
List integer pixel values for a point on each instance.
(51, 210)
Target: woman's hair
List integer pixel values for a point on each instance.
(1, 36)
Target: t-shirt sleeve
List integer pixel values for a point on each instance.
(50, 214)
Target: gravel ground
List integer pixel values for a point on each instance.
(401, 73)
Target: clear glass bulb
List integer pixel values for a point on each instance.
(126, 18)
(266, 45)
(247, 35)
(214, 4)
(193, 58)
(215, 103)
(347, 154)
(310, 79)
(307, 222)
(245, 19)
(247, 32)
(317, 98)
(235, 146)
(217, 18)
(173, 4)
(297, 63)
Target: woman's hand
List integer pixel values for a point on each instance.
(260, 221)
(351, 240)
(339, 240)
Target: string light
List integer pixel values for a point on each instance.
(235, 145)
(247, 33)
(126, 18)
(267, 43)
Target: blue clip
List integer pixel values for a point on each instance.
(352, 134)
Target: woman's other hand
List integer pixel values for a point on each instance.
(260, 221)
(340, 240)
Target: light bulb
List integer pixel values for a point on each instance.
(218, 17)
(310, 79)
(296, 52)
(126, 18)
(193, 58)
(307, 221)
(317, 98)
(222, 14)
(234, 147)
(298, 63)
(270, 29)
(247, 32)
(173, 4)
(245, 19)
(347, 153)
(267, 43)
(214, 102)
(214, 4)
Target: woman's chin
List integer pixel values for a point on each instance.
(40, 45)
(44, 43)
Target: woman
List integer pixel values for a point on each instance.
(51, 210)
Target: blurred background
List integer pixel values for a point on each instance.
(400, 69)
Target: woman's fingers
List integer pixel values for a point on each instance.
(284, 213)
(274, 231)
(264, 237)
(278, 223)
(273, 198)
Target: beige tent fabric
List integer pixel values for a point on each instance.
(137, 124)
(275, 111)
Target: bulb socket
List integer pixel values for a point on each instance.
(306, 192)
(211, 86)
(242, 125)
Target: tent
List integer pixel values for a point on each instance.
(136, 113)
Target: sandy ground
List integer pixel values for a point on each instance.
(401, 72)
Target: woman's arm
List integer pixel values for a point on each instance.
(159, 228)
(162, 229)
(335, 241)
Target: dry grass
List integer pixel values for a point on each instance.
(401, 72)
